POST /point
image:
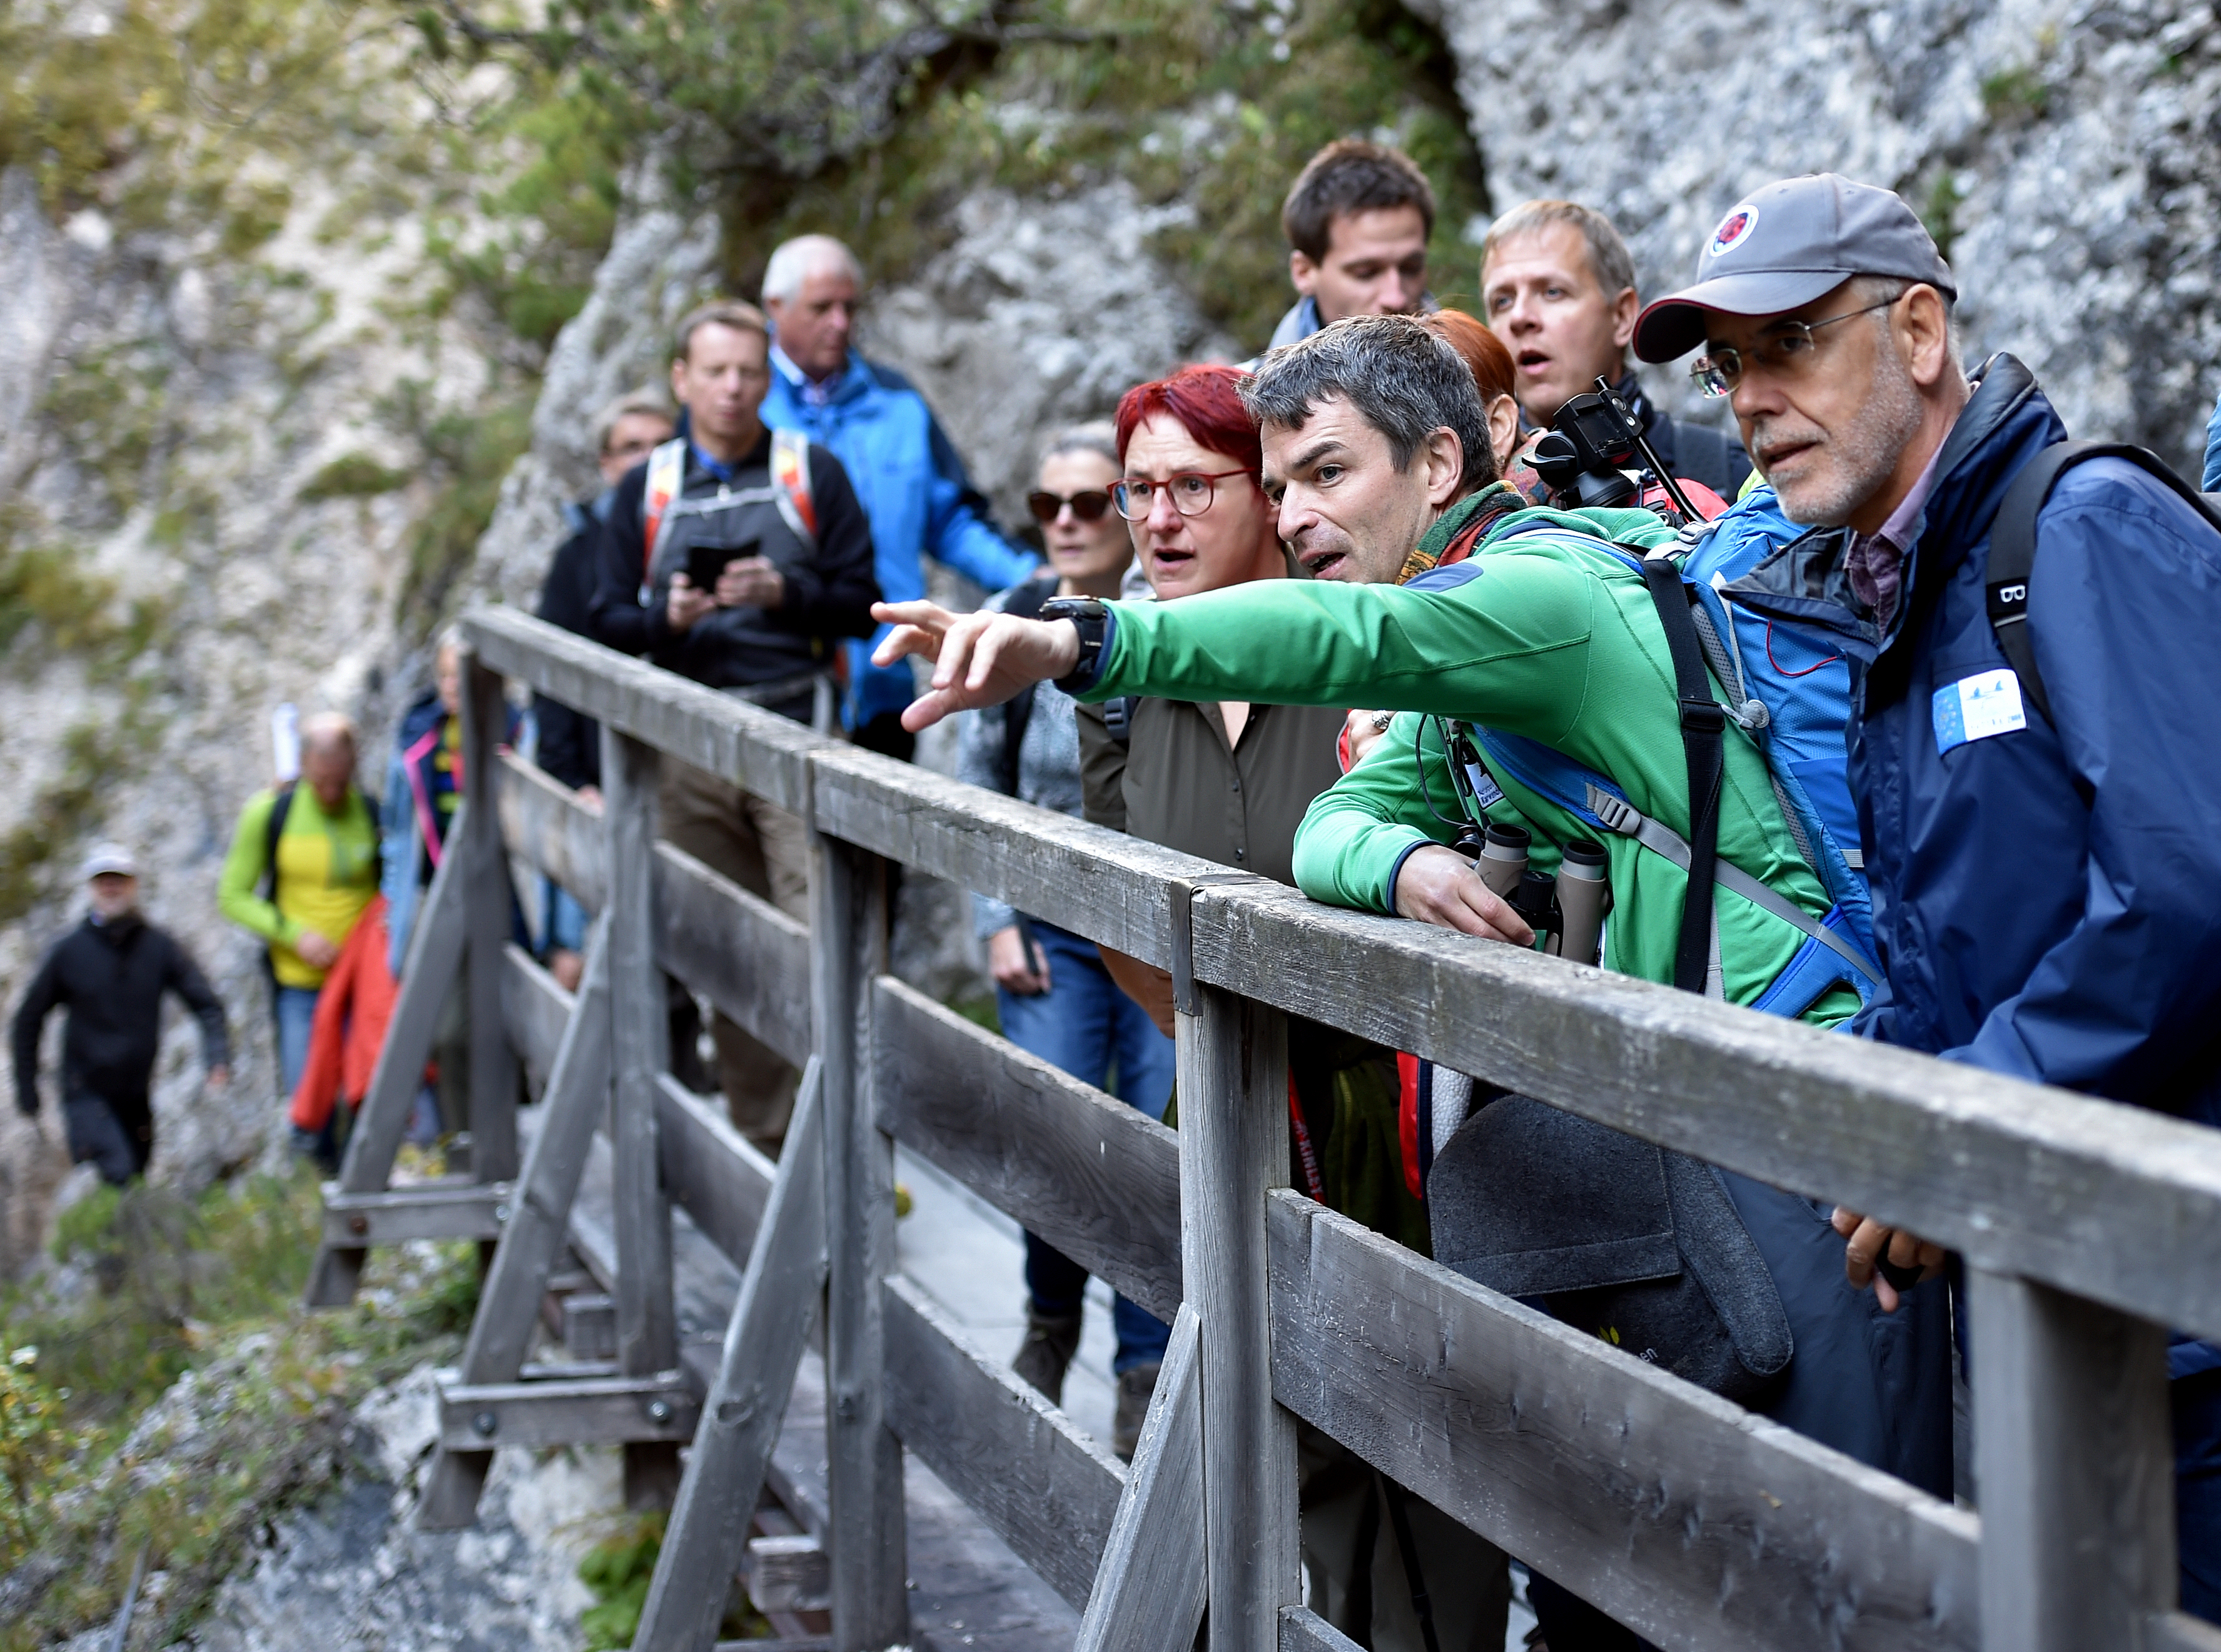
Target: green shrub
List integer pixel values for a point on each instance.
(352, 476)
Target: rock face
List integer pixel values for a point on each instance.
(167, 410)
(352, 1573)
(2068, 155)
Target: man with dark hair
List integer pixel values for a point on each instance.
(739, 558)
(109, 974)
(2032, 754)
(1357, 219)
(1557, 285)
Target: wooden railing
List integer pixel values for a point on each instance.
(2085, 1227)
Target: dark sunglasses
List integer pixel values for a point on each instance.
(1090, 506)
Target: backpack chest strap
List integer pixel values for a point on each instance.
(1625, 818)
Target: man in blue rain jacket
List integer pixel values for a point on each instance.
(2046, 884)
(905, 471)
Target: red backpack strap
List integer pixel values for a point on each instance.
(667, 475)
(789, 468)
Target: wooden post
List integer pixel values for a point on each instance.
(2073, 1466)
(866, 1540)
(747, 1402)
(488, 899)
(534, 1234)
(1233, 1092)
(647, 1325)
(436, 950)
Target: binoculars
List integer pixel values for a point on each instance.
(1566, 912)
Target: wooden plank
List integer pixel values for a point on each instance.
(582, 1410)
(435, 950)
(848, 933)
(787, 1573)
(1101, 884)
(473, 1211)
(746, 956)
(534, 1239)
(647, 1325)
(747, 1400)
(1688, 1519)
(488, 899)
(710, 1170)
(1233, 1088)
(1041, 1485)
(553, 829)
(757, 750)
(2117, 1203)
(1303, 1630)
(2076, 1468)
(537, 1011)
(1148, 1592)
(1097, 1178)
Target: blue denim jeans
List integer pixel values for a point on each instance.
(296, 1011)
(1086, 1026)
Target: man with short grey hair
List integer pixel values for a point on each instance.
(904, 469)
(2031, 744)
(1557, 285)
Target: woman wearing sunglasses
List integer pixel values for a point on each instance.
(1057, 1000)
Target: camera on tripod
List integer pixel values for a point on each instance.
(1594, 455)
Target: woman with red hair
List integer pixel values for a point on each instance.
(1190, 490)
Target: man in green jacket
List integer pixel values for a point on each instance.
(1552, 637)
(303, 865)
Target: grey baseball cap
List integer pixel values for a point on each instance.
(1786, 246)
(109, 857)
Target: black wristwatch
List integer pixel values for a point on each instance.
(1092, 621)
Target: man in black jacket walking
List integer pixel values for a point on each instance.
(110, 972)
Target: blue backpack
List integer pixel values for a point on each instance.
(1789, 688)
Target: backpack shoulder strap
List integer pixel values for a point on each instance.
(789, 468)
(1026, 601)
(2012, 543)
(272, 830)
(1704, 722)
(667, 475)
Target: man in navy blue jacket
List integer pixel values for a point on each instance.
(2047, 888)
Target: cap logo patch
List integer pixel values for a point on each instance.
(1735, 230)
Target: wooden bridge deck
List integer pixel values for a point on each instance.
(970, 1592)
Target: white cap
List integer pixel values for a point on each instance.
(109, 857)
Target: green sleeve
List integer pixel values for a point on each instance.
(1358, 830)
(1508, 647)
(243, 869)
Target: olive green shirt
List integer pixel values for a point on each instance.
(1177, 783)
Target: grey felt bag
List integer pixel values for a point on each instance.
(1641, 1246)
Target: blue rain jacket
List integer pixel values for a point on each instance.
(2212, 481)
(916, 492)
(2048, 900)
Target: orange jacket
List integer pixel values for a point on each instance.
(352, 1012)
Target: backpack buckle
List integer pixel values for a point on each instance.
(1705, 715)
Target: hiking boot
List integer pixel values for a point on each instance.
(1135, 1384)
(1046, 1355)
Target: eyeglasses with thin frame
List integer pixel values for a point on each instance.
(1191, 492)
(1787, 348)
(1088, 505)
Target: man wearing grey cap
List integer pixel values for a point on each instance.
(109, 974)
(2031, 752)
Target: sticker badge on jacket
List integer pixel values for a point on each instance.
(1976, 707)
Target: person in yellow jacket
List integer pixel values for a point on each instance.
(304, 864)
